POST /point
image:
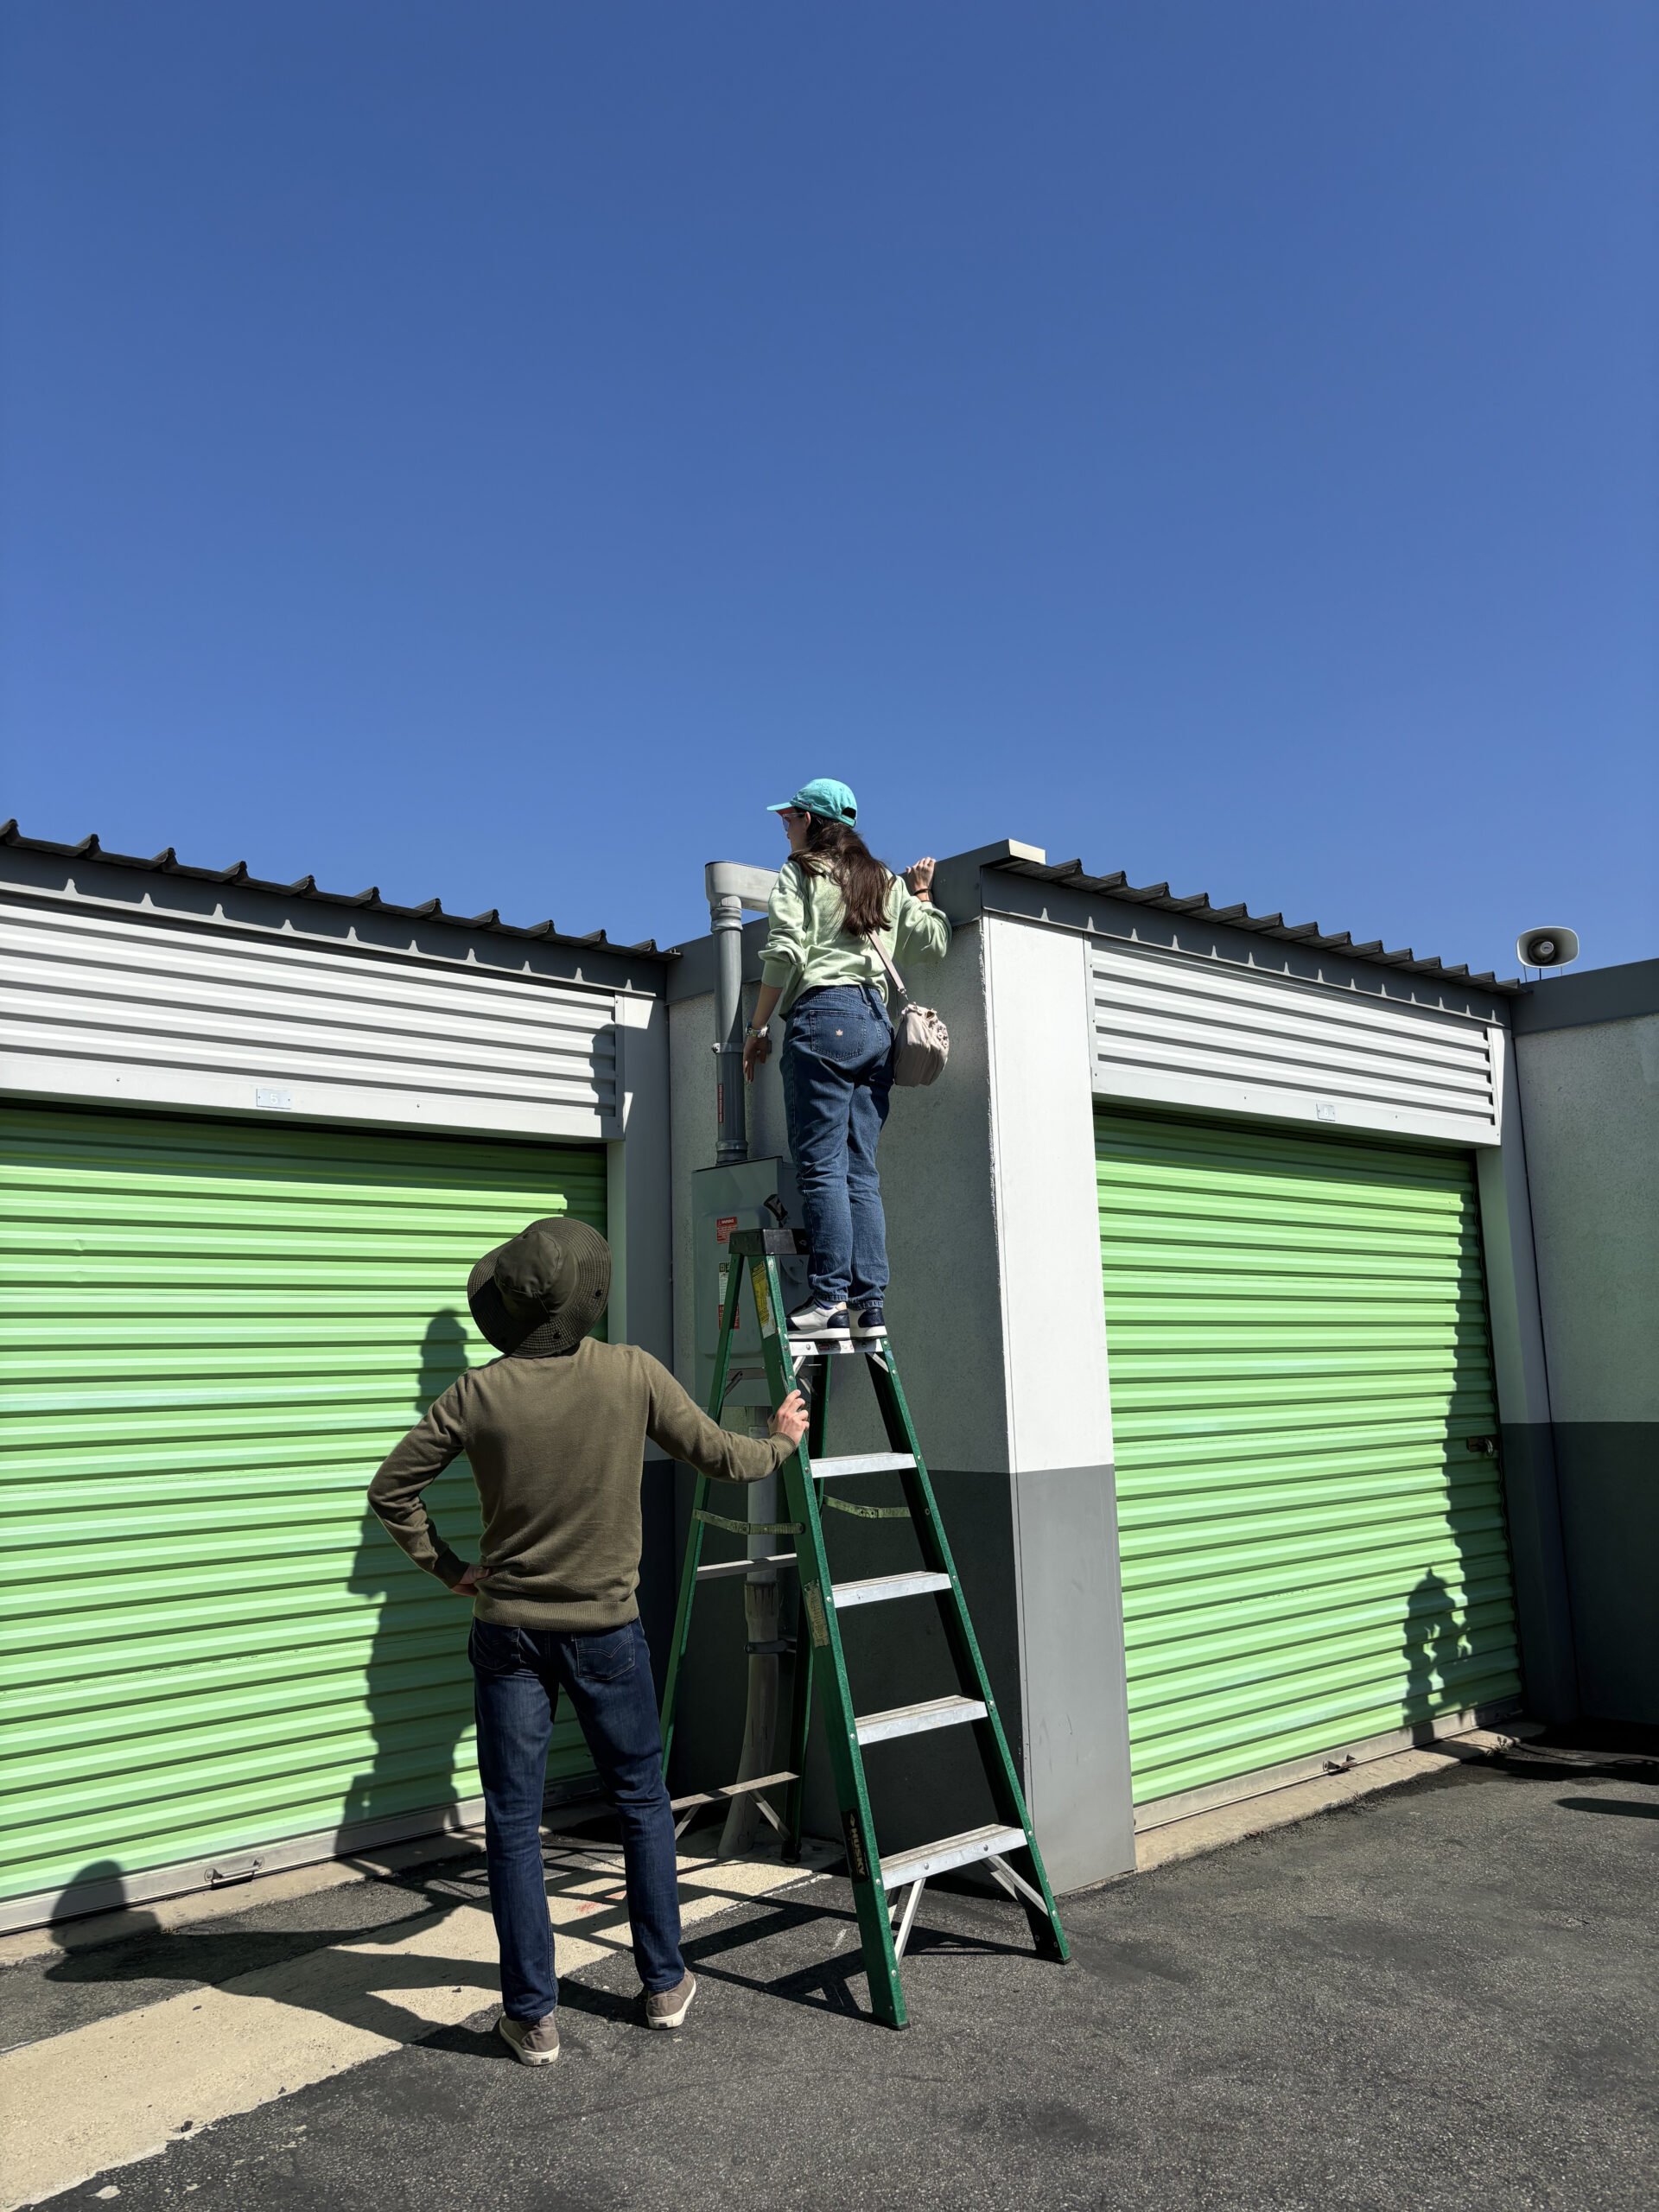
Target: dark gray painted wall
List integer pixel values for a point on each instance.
(1586, 1051)
(1608, 1472)
(1619, 994)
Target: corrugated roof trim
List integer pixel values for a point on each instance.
(1072, 874)
(167, 863)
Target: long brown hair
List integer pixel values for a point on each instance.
(834, 850)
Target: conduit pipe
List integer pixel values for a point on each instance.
(731, 887)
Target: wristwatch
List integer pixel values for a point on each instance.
(750, 1031)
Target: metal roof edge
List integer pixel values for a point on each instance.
(167, 863)
(1072, 875)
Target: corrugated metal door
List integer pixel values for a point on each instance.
(1313, 1553)
(217, 1330)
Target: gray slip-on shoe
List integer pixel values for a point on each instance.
(667, 2008)
(536, 2042)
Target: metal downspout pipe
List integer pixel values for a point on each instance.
(726, 918)
(730, 888)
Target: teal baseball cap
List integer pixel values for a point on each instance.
(825, 796)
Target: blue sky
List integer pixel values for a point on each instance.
(490, 450)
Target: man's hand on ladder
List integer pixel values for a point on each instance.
(789, 1420)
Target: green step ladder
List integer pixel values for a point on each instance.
(886, 1892)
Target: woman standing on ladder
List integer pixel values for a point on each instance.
(821, 971)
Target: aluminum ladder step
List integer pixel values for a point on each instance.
(724, 1568)
(913, 1719)
(862, 1463)
(731, 1789)
(876, 1589)
(930, 1859)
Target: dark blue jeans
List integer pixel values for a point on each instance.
(838, 1068)
(518, 1674)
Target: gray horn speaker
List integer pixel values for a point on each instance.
(1546, 948)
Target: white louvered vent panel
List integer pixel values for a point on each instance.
(93, 1006)
(1188, 1031)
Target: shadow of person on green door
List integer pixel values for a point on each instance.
(418, 1687)
(1435, 1646)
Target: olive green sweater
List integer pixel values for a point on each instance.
(557, 1450)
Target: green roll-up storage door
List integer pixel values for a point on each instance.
(1313, 1554)
(215, 1331)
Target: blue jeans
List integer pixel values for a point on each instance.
(518, 1674)
(838, 1068)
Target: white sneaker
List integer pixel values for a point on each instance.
(869, 1321)
(819, 1321)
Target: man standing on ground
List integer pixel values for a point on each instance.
(556, 1433)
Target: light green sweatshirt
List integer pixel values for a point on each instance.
(807, 948)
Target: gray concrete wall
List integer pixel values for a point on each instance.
(1589, 1093)
(988, 1178)
(1590, 1097)
(944, 1309)
(1531, 1494)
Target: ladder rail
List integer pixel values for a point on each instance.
(994, 1755)
(800, 1721)
(818, 1610)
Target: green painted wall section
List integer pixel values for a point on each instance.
(211, 1334)
(1297, 1333)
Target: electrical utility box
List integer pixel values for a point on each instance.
(722, 1200)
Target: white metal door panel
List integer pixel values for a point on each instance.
(1190, 1032)
(150, 1013)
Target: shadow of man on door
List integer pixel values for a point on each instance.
(418, 1687)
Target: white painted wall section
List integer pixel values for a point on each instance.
(160, 1014)
(1184, 1030)
(1048, 1229)
(1074, 1718)
(638, 1189)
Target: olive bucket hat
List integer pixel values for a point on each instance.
(540, 1293)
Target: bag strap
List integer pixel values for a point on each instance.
(898, 980)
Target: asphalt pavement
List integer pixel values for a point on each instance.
(1444, 1996)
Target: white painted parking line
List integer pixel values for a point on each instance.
(122, 2087)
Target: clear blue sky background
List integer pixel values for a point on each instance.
(491, 449)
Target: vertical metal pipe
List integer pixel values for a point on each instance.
(727, 886)
(742, 1827)
(726, 912)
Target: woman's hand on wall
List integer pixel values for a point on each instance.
(919, 877)
(757, 1046)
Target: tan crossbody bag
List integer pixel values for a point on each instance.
(921, 1043)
